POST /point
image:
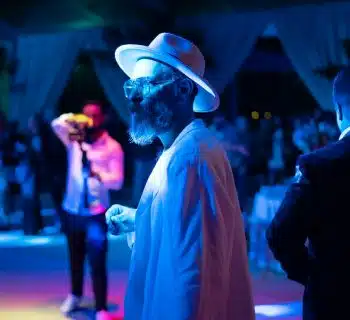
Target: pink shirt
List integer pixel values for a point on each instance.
(107, 160)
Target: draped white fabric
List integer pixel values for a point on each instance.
(110, 75)
(43, 66)
(313, 37)
(228, 38)
(112, 80)
(44, 63)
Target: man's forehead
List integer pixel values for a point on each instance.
(91, 107)
(148, 68)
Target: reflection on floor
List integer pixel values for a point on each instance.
(34, 280)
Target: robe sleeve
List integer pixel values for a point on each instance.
(183, 206)
(130, 239)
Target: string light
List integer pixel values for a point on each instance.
(267, 115)
(255, 115)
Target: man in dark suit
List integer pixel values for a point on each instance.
(317, 208)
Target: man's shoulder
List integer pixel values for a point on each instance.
(200, 150)
(329, 152)
(199, 141)
(327, 157)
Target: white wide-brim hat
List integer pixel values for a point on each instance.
(178, 53)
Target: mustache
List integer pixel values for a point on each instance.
(144, 104)
(156, 113)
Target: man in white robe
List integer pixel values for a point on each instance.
(189, 259)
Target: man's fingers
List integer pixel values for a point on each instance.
(114, 228)
(112, 211)
(113, 221)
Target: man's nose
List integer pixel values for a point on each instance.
(135, 101)
(135, 98)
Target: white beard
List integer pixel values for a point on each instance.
(141, 133)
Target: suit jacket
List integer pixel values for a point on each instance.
(316, 208)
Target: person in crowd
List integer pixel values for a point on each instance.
(235, 144)
(4, 221)
(189, 258)
(327, 130)
(241, 127)
(54, 165)
(240, 149)
(12, 139)
(260, 153)
(30, 174)
(306, 136)
(315, 208)
(95, 165)
(276, 163)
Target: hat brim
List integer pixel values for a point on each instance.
(207, 99)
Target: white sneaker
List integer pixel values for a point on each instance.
(70, 304)
(103, 315)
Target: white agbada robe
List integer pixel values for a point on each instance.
(189, 259)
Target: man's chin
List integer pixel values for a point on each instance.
(141, 139)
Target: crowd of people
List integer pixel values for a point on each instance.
(27, 157)
(264, 152)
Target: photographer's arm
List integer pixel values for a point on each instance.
(61, 127)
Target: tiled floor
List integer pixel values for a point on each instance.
(33, 281)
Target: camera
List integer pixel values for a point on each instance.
(80, 127)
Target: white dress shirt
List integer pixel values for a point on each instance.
(107, 160)
(344, 133)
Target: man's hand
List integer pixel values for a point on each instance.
(120, 219)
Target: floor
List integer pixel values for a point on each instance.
(33, 281)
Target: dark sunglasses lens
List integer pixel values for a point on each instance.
(136, 88)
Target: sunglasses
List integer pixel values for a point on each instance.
(141, 87)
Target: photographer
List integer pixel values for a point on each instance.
(95, 165)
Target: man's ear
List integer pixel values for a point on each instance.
(184, 89)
